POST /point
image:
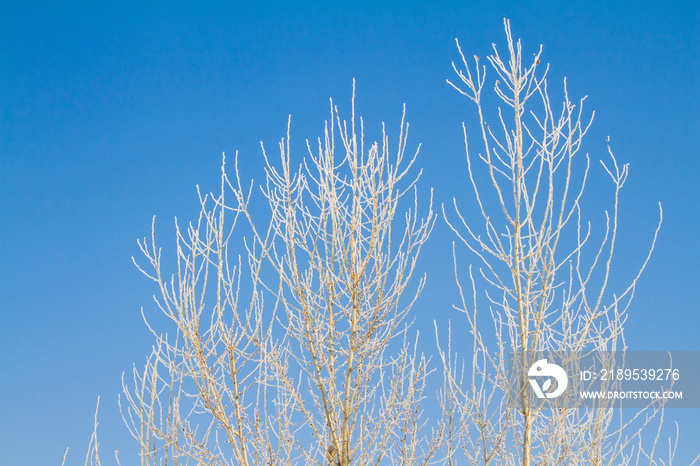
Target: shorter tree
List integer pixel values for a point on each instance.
(316, 365)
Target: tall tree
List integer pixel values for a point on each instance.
(545, 283)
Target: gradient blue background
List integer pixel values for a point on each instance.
(113, 112)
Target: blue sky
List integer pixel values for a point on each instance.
(113, 112)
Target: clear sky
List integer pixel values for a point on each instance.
(111, 112)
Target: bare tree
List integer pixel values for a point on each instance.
(545, 275)
(316, 365)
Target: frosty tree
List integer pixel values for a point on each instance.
(542, 282)
(316, 366)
